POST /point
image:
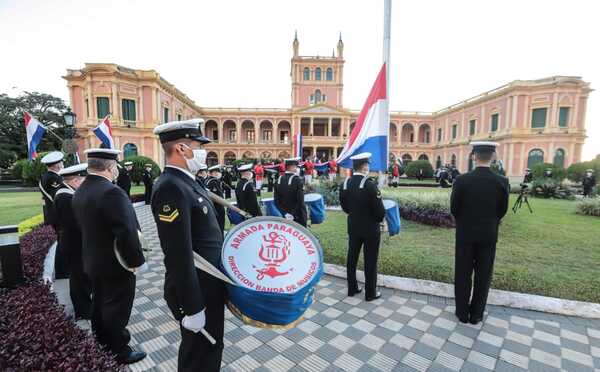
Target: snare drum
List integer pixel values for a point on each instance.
(234, 217)
(392, 216)
(271, 208)
(316, 207)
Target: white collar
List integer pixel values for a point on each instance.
(359, 174)
(290, 172)
(185, 171)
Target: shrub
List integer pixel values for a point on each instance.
(33, 170)
(329, 190)
(35, 332)
(138, 167)
(7, 158)
(551, 189)
(17, 169)
(576, 171)
(429, 208)
(589, 207)
(558, 173)
(30, 223)
(413, 167)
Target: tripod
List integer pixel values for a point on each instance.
(519, 202)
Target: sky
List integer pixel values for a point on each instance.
(230, 53)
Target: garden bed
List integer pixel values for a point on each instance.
(35, 332)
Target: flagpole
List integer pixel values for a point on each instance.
(387, 23)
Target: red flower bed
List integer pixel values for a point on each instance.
(35, 332)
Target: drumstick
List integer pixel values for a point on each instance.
(208, 336)
(219, 200)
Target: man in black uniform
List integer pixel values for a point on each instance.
(548, 173)
(124, 180)
(49, 184)
(289, 193)
(245, 193)
(589, 182)
(528, 176)
(147, 179)
(80, 287)
(187, 222)
(479, 201)
(271, 174)
(111, 251)
(361, 200)
(214, 184)
(227, 183)
(202, 175)
(445, 178)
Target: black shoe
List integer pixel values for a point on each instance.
(474, 320)
(371, 298)
(353, 292)
(132, 357)
(462, 319)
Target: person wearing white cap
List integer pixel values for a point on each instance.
(478, 202)
(289, 193)
(148, 181)
(361, 200)
(50, 182)
(69, 244)
(186, 221)
(589, 182)
(124, 179)
(202, 174)
(215, 184)
(528, 176)
(245, 191)
(111, 251)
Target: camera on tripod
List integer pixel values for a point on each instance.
(522, 198)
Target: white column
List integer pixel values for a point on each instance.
(511, 155)
(140, 109)
(515, 109)
(116, 112)
(329, 127)
(554, 111)
(310, 129)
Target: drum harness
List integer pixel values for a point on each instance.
(361, 186)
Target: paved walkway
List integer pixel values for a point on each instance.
(401, 332)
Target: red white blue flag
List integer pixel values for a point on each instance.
(297, 142)
(104, 133)
(35, 131)
(371, 131)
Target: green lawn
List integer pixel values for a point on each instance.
(553, 252)
(18, 206)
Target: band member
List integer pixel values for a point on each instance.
(361, 200)
(227, 182)
(479, 201)
(124, 180)
(420, 174)
(309, 167)
(215, 184)
(80, 287)
(245, 193)
(332, 169)
(49, 184)
(271, 175)
(589, 182)
(289, 193)
(147, 179)
(259, 172)
(202, 175)
(445, 181)
(395, 174)
(528, 176)
(187, 222)
(111, 251)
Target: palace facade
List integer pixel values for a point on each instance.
(533, 120)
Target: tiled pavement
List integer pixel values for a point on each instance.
(401, 332)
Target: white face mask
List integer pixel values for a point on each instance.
(115, 173)
(219, 176)
(197, 161)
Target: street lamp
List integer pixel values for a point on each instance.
(69, 145)
(69, 117)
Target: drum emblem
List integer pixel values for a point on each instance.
(273, 252)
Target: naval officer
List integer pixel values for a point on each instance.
(202, 175)
(186, 220)
(361, 200)
(479, 200)
(148, 181)
(245, 193)
(111, 251)
(289, 193)
(215, 185)
(124, 180)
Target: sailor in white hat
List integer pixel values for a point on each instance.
(49, 183)
(124, 179)
(69, 245)
(589, 182)
(245, 191)
(289, 193)
(479, 201)
(215, 184)
(111, 251)
(202, 174)
(361, 200)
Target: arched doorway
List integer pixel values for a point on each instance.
(393, 132)
(211, 130)
(536, 156)
(284, 130)
(248, 135)
(212, 158)
(406, 158)
(559, 158)
(230, 132)
(408, 133)
(249, 155)
(129, 150)
(229, 158)
(424, 133)
(423, 157)
(266, 132)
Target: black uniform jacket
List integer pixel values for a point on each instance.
(106, 216)
(361, 200)
(589, 181)
(147, 178)
(216, 186)
(246, 197)
(289, 197)
(124, 180)
(479, 201)
(70, 234)
(186, 221)
(50, 183)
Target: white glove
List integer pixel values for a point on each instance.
(289, 216)
(141, 269)
(194, 322)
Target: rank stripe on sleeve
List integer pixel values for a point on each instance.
(169, 217)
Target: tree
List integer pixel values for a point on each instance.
(46, 108)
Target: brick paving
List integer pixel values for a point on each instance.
(403, 331)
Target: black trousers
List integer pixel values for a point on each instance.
(196, 353)
(61, 260)
(147, 192)
(80, 290)
(112, 300)
(478, 259)
(371, 254)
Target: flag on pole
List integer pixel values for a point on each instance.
(370, 133)
(35, 131)
(104, 133)
(297, 143)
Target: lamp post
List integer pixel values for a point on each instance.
(69, 145)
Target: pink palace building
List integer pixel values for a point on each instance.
(533, 120)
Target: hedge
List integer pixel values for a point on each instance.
(413, 167)
(35, 332)
(138, 167)
(30, 223)
(428, 208)
(558, 173)
(589, 207)
(576, 171)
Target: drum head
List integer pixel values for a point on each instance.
(272, 254)
(389, 203)
(312, 197)
(265, 200)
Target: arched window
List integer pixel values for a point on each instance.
(317, 96)
(318, 73)
(453, 161)
(406, 158)
(536, 156)
(559, 158)
(306, 73)
(129, 150)
(423, 157)
(212, 158)
(329, 74)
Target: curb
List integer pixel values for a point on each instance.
(496, 297)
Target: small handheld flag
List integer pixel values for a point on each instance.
(104, 133)
(35, 132)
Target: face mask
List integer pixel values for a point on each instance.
(115, 173)
(196, 161)
(219, 176)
